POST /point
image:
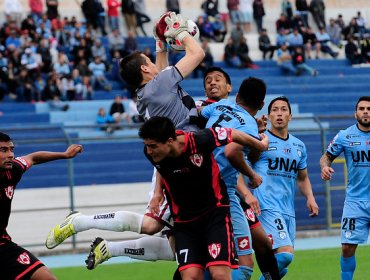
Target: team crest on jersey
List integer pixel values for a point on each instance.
(348, 234)
(214, 249)
(282, 235)
(299, 152)
(250, 215)
(221, 133)
(243, 243)
(197, 159)
(24, 258)
(287, 149)
(9, 191)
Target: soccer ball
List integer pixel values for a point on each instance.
(193, 31)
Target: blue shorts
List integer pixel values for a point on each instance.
(355, 223)
(280, 228)
(242, 233)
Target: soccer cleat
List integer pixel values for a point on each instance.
(99, 253)
(62, 231)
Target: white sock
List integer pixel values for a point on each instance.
(114, 221)
(147, 248)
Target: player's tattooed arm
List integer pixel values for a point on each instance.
(325, 165)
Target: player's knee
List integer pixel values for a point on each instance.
(348, 250)
(246, 260)
(284, 259)
(150, 226)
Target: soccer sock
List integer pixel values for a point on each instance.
(268, 265)
(242, 273)
(114, 221)
(148, 248)
(283, 260)
(348, 266)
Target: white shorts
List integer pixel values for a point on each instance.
(164, 215)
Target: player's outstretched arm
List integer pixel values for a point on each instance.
(45, 156)
(325, 165)
(247, 140)
(305, 187)
(194, 54)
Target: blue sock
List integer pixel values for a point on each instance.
(242, 273)
(283, 260)
(348, 266)
(207, 275)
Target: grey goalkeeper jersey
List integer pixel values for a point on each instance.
(163, 96)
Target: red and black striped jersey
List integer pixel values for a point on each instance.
(193, 184)
(8, 182)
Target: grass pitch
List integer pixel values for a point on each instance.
(322, 264)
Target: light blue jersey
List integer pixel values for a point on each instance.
(356, 147)
(226, 113)
(278, 167)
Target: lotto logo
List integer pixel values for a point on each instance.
(243, 243)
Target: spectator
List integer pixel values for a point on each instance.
(317, 9)
(113, 14)
(365, 47)
(141, 16)
(243, 53)
(100, 16)
(234, 12)
(28, 27)
(44, 51)
(207, 61)
(13, 9)
(352, 52)
(287, 9)
(52, 9)
(334, 32)
(264, 44)
(284, 60)
(297, 21)
(324, 40)
(299, 62)
(116, 42)
(83, 68)
(302, 9)
(351, 30)
(133, 112)
(311, 43)
(340, 22)
(128, 12)
(36, 7)
(173, 6)
(117, 110)
(283, 23)
(258, 13)
(282, 37)
(99, 50)
(361, 23)
(25, 90)
(62, 68)
(98, 70)
(237, 33)
(68, 88)
(29, 61)
(130, 43)
(295, 40)
(231, 54)
(105, 121)
(13, 40)
(210, 8)
(88, 8)
(246, 8)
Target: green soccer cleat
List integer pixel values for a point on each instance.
(62, 231)
(99, 253)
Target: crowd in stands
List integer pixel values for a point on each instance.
(48, 57)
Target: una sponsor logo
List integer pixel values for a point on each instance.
(196, 159)
(250, 215)
(9, 191)
(214, 250)
(243, 243)
(24, 258)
